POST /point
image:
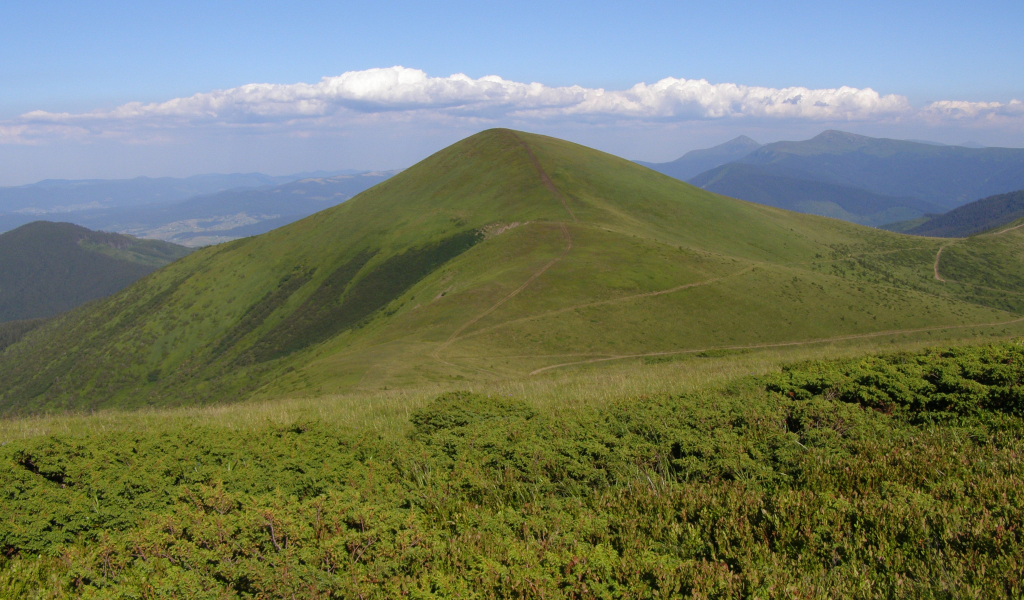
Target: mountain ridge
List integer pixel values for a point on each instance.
(970, 219)
(499, 256)
(797, 191)
(871, 181)
(945, 175)
(223, 215)
(47, 268)
(695, 162)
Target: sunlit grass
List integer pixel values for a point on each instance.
(387, 411)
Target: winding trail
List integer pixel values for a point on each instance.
(549, 313)
(458, 332)
(1007, 229)
(547, 180)
(938, 255)
(568, 246)
(778, 344)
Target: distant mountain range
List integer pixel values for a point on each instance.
(948, 176)
(872, 181)
(66, 195)
(865, 180)
(48, 268)
(695, 162)
(765, 185)
(962, 144)
(194, 211)
(970, 219)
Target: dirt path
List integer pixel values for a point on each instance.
(779, 344)
(938, 255)
(678, 288)
(1007, 229)
(455, 335)
(568, 246)
(547, 180)
(944, 246)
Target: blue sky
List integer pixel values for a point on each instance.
(78, 60)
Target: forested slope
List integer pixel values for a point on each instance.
(48, 268)
(973, 218)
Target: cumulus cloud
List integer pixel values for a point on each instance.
(686, 99)
(992, 112)
(398, 93)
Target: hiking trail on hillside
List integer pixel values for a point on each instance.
(568, 246)
(840, 338)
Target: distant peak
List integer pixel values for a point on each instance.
(835, 134)
(742, 141)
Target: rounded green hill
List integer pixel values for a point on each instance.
(504, 255)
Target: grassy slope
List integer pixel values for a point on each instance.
(47, 268)
(12, 331)
(905, 226)
(984, 263)
(763, 275)
(877, 477)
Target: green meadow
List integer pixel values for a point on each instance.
(717, 475)
(523, 368)
(502, 256)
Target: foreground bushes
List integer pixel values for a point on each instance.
(937, 384)
(845, 479)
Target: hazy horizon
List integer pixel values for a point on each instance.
(193, 88)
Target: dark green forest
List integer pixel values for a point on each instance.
(970, 219)
(47, 268)
(12, 331)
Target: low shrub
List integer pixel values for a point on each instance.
(840, 479)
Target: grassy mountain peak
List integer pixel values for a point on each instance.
(504, 255)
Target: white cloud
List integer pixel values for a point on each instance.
(994, 112)
(398, 93)
(686, 99)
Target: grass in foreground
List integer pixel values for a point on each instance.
(386, 411)
(887, 476)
